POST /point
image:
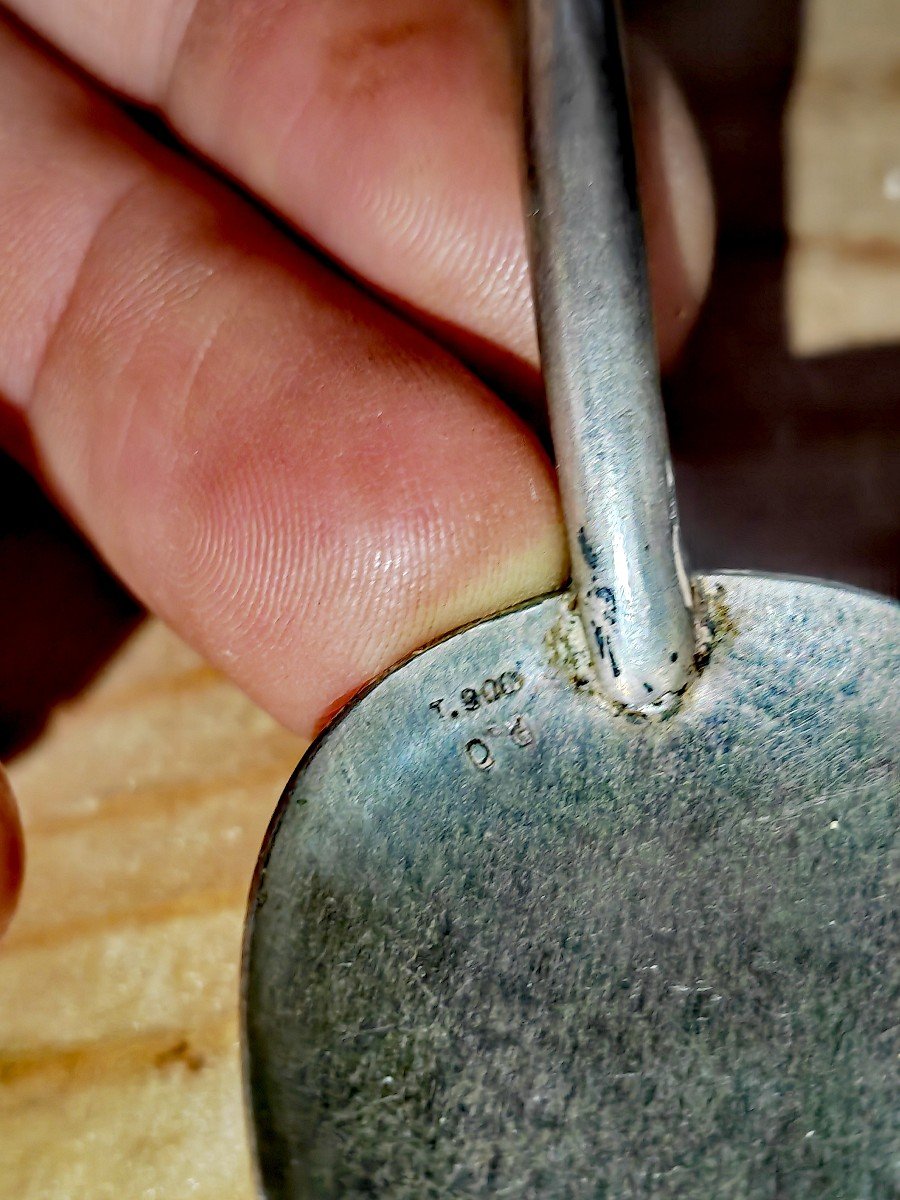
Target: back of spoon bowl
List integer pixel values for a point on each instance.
(506, 940)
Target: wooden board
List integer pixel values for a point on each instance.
(145, 803)
(843, 179)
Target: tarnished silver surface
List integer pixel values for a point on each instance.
(599, 355)
(507, 941)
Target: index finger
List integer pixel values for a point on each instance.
(388, 132)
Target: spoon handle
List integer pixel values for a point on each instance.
(599, 355)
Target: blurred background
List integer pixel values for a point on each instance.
(784, 414)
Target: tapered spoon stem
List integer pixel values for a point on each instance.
(599, 355)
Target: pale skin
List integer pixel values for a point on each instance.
(300, 469)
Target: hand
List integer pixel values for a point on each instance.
(303, 473)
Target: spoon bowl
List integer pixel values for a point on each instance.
(538, 946)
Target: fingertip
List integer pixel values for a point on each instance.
(12, 856)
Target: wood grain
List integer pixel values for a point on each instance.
(843, 179)
(145, 803)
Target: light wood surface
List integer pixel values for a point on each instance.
(145, 803)
(146, 797)
(842, 140)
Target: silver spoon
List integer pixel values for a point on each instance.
(593, 898)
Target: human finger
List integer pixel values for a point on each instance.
(388, 132)
(302, 485)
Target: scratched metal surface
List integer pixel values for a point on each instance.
(509, 943)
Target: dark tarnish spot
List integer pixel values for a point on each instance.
(608, 596)
(606, 651)
(591, 556)
(718, 616)
(720, 626)
(612, 662)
